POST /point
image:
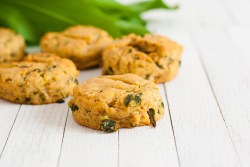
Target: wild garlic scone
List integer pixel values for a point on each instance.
(12, 46)
(82, 44)
(116, 101)
(152, 57)
(39, 79)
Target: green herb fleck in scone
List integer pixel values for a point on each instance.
(108, 125)
(152, 57)
(116, 101)
(39, 79)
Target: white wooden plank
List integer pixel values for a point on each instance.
(192, 13)
(229, 74)
(185, 17)
(201, 135)
(33, 49)
(240, 10)
(36, 136)
(240, 36)
(8, 113)
(212, 13)
(87, 147)
(90, 73)
(148, 146)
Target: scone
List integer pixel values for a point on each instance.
(39, 79)
(12, 46)
(152, 57)
(116, 101)
(82, 44)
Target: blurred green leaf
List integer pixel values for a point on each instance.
(32, 18)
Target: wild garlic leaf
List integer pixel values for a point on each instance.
(137, 98)
(14, 17)
(152, 4)
(74, 107)
(151, 114)
(108, 125)
(32, 18)
(128, 99)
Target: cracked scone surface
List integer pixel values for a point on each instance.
(82, 44)
(12, 46)
(39, 79)
(116, 101)
(152, 57)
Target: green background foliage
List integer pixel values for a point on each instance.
(32, 18)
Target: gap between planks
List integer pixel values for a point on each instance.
(135, 137)
(213, 145)
(9, 132)
(230, 80)
(58, 162)
(172, 126)
(213, 92)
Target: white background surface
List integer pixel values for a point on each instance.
(207, 106)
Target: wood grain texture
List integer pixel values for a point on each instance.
(87, 147)
(184, 18)
(212, 13)
(148, 146)
(8, 113)
(208, 122)
(201, 135)
(239, 10)
(240, 39)
(36, 136)
(192, 14)
(228, 68)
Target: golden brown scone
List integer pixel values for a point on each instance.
(152, 57)
(82, 44)
(39, 79)
(116, 101)
(12, 46)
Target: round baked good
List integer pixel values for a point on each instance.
(39, 79)
(116, 101)
(152, 57)
(12, 46)
(82, 44)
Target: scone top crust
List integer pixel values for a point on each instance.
(152, 57)
(155, 46)
(82, 44)
(90, 34)
(39, 79)
(12, 45)
(124, 100)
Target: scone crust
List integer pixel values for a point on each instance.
(12, 46)
(82, 44)
(39, 79)
(124, 99)
(152, 57)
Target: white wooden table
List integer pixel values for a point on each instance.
(207, 113)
